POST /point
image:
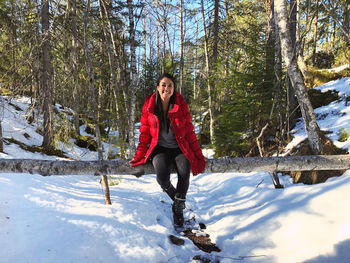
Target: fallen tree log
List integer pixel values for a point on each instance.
(240, 165)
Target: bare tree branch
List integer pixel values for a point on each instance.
(336, 19)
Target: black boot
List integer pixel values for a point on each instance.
(178, 207)
(170, 190)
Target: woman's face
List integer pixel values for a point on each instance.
(165, 89)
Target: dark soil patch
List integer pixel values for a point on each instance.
(86, 142)
(315, 177)
(36, 148)
(203, 242)
(319, 99)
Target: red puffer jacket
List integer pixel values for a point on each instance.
(186, 138)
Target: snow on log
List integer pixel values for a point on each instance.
(241, 165)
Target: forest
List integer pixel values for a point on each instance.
(244, 66)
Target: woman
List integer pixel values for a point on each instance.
(167, 136)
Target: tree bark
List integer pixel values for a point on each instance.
(90, 70)
(227, 50)
(347, 17)
(216, 32)
(75, 62)
(292, 102)
(46, 77)
(2, 109)
(158, 46)
(299, 46)
(311, 126)
(1, 137)
(210, 98)
(116, 57)
(181, 49)
(270, 47)
(195, 90)
(133, 84)
(314, 42)
(224, 165)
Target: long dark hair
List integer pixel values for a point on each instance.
(164, 122)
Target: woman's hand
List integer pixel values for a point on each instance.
(133, 160)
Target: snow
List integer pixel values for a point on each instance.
(340, 68)
(64, 218)
(331, 118)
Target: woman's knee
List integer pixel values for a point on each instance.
(162, 170)
(183, 165)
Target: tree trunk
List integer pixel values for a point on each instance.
(158, 46)
(116, 63)
(292, 103)
(270, 45)
(227, 51)
(195, 64)
(210, 99)
(311, 127)
(346, 19)
(181, 49)
(90, 70)
(133, 84)
(214, 70)
(75, 62)
(1, 138)
(164, 40)
(314, 42)
(269, 75)
(223, 165)
(46, 78)
(299, 44)
(293, 21)
(216, 32)
(279, 75)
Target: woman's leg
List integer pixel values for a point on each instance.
(161, 164)
(183, 168)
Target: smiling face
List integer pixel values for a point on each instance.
(166, 89)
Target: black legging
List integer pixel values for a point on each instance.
(162, 158)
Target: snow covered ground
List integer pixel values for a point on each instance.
(64, 218)
(332, 117)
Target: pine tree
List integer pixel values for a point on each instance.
(46, 77)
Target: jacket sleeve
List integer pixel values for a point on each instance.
(145, 135)
(191, 138)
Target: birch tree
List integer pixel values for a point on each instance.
(292, 103)
(133, 84)
(311, 126)
(221, 165)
